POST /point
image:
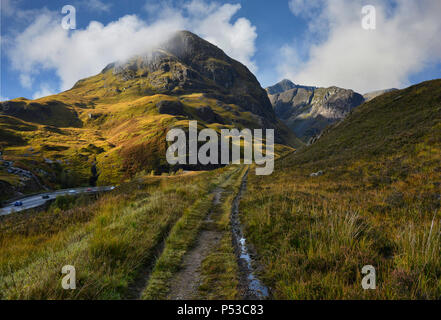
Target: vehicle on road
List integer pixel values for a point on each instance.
(72, 191)
(89, 190)
(18, 204)
(45, 197)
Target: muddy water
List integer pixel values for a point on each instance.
(252, 288)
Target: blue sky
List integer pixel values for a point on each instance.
(310, 42)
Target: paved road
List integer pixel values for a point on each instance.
(37, 200)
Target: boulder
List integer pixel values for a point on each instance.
(317, 174)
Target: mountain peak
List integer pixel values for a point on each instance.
(281, 86)
(308, 110)
(185, 64)
(286, 85)
(185, 44)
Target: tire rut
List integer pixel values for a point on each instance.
(251, 288)
(187, 281)
(137, 287)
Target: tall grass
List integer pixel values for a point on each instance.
(378, 203)
(107, 241)
(219, 270)
(182, 237)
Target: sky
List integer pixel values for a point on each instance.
(310, 42)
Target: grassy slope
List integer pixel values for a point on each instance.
(377, 203)
(122, 131)
(108, 241)
(219, 270)
(182, 237)
(112, 239)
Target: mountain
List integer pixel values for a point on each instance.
(372, 95)
(116, 121)
(308, 110)
(285, 85)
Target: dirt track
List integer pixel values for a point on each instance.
(187, 281)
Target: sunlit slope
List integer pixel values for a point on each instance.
(119, 118)
(375, 202)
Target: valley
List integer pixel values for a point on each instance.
(356, 182)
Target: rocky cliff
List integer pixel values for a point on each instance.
(308, 110)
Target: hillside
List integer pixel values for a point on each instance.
(116, 121)
(376, 202)
(374, 199)
(308, 110)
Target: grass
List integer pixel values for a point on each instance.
(124, 136)
(108, 241)
(377, 203)
(181, 239)
(219, 269)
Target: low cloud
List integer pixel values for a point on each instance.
(213, 23)
(404, 43)
(75, 54)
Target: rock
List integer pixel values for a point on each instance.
(186, 61)
(174, 108)
(285, 85)
(317, 174)
(308, 110)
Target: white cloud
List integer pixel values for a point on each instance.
(26, 80)
(404, 43)
(212, 21)
(45, 90)
(76, 54)
(4, 98)
(304, 7)
(236, 39)
(96, 5)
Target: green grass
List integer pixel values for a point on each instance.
(377, 203)
(123, 134)
(108, 241)
(181, 239)
(219, 269)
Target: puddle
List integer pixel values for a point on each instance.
(254, 284)
(253, 287)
